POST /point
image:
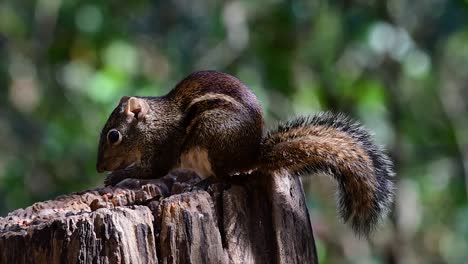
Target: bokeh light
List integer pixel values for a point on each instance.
(400, 67)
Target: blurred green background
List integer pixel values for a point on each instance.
(400, 67)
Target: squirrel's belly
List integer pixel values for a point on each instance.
(196, 159)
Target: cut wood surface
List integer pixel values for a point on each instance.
(252, 219)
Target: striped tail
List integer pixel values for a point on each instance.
(335, 145)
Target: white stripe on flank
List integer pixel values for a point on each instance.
(214, 96)
(197, 160)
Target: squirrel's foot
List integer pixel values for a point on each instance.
(181, 180)
(216, 183)
(113, 178)
(176, 181)
(156, 187)
(202, 185)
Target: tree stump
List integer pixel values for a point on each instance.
(254, 218)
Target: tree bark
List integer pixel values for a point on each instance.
(253, 218)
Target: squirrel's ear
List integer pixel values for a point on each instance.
(124, 99)
(136, 107)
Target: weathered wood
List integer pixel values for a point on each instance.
(256, 219)
(291, 219)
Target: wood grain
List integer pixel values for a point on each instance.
(252, 219)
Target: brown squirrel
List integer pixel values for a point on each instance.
(212, 124)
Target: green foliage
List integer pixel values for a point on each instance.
(400, 67)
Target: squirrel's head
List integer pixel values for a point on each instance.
(120, 137)
(141, 131)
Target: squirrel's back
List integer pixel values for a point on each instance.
(223, 122)
(214, 85)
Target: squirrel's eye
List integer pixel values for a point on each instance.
(114, 137)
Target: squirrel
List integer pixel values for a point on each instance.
(212, 124)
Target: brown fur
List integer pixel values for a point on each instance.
(209, 110)
(335, 145)
(212, 123)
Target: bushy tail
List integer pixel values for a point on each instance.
(335, 145)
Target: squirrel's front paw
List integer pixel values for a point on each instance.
(113, 178)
